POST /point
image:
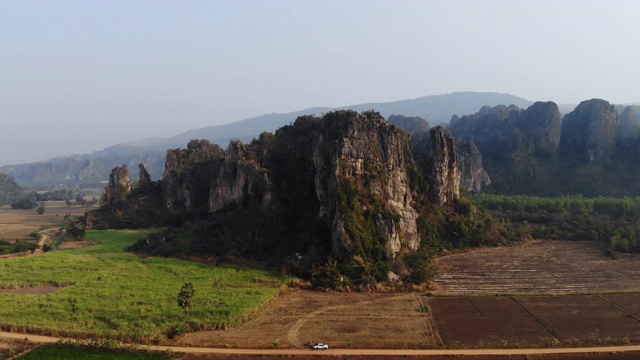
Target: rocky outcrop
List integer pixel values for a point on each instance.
(187, 174)
(357, 165)
(445, 176)
(412, 125)
(118, 188)
(204, 177)
(366, 149)
(519, 147)
(589, 132)
(144, 183)
(541, 123)
(238, 180)
(473, 177)
(629, 126)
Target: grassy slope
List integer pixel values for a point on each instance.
(119, 295)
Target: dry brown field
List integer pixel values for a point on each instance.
(18, 224)
(551, 293)
(539, 267)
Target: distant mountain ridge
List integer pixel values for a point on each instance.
(435, 109)
(95, 167)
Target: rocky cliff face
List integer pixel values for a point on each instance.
(589, 132)
(541, 123)
(629, 126)
(591, 151)
(445, 185)
(238, 180)
(118, 188)
(187, 174)
(355, 166)
(518, 147)
(370, 151)
(144, 181)
(473, 177)
(412, 124)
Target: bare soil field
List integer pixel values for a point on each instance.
(540, 267)
(18, 224)
(555, 271)
(300, 318)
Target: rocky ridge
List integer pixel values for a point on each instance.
(537, 151)
(118, 188)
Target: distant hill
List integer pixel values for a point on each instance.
(436, 109)
(92, 168)
(89, 169)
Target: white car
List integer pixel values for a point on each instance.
(320, 346)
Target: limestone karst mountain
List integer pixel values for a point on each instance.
(344, 187)
(591, 150)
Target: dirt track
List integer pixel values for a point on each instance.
(363, 352)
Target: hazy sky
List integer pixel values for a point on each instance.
(78, 76)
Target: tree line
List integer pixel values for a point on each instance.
(609, 219)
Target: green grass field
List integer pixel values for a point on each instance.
(55, 352)
(114, 294)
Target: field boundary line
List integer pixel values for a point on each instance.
(619, 308)
(545, 327)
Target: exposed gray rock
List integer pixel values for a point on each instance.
(473, 177)
(117, 189)
(542, 123)
(238, 180)
(187, 174)
(367, 146)
(412, 125)
(629, 127)
(589, 132)
(445, 176)
(145, 182)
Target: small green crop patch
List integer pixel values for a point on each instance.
(113, 294)
(65, 352)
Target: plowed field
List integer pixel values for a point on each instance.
(560, 317)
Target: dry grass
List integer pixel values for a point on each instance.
(538, 267)
(19, 224)
(301, 318)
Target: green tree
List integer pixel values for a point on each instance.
(75, 230)
(184, 299)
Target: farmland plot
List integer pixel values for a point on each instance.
(583, 297)
(538, 267)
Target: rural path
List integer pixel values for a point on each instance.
(44, 239)
(359, 352)
(292, 334)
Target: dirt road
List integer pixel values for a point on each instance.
(357, 352)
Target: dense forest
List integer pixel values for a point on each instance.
(609, 219)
